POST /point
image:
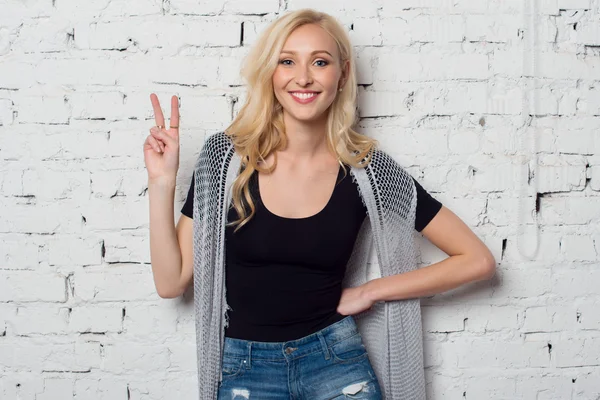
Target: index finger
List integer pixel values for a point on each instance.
(174, 120)
(158, 115)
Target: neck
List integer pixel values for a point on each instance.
(305, 139)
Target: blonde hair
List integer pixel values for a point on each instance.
(258, 129)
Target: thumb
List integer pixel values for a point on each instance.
(162, 135)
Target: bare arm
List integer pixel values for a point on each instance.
(170, 246)
(470, 260)
(185, 235)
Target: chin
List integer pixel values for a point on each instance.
(306, 118)
(305, 115)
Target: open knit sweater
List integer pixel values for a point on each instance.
(385, 246)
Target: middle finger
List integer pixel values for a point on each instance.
(174, 121)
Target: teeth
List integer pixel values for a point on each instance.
(304, 96)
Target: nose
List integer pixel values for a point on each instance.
(303, 76)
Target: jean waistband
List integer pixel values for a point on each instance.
(291, 349)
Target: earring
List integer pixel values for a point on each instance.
(340, 90)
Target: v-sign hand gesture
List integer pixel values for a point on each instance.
(161, 147)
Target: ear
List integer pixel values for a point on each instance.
(345, 72)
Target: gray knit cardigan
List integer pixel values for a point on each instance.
(385, 246)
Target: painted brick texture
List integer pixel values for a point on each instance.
(441, 88)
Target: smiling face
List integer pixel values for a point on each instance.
(308, 74)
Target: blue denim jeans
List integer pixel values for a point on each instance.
(329, 364)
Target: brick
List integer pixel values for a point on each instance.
(74, 357)
(584, 279)
(252, 30)
(40, 319)
(20, 385)
(366, 32)
(492, 28)
(544, 387)
(46, 109)
(416, 67)
(341, 9)
(516, 283)
(7, 314)
(121, 357)
(576, 352)
(18, 253)
(27, 286)
(78, 251)
(104, 286)
(179, 388)
(90, 318)
(560, 210)
(438, 319)
(46, 184)
(118, 8)
(117, 213)
(464, 141)
(446, 6)
(55, 388)
(179, 356)
(45, 35)
(561, 173)
(104, 388)
(422, 28)
(7, 112)
(574, 4)
(41, 217)
(586, 386)
(488, 387)
(254, 7)
(549, 319)
(504, 211)
(566, 66)
(120, 182)
(196, 7)
(151, 320)
(578, 248)
(147, 33)
(588, 317)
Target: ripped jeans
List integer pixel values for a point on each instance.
(329, 364)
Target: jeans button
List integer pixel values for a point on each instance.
(290, 349)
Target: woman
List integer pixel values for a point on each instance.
(284, 304)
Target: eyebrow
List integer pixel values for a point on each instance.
(314, 52)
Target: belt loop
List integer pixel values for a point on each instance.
(324, 345)
(249, 355)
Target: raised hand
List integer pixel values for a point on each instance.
(161, 147)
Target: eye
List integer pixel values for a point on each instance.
(284, 62)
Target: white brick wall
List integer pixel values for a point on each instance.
(441, 89)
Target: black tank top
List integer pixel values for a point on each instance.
(284, 275)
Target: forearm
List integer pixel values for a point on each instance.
(445, 275)
(165, 253)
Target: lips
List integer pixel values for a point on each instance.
(304, 97)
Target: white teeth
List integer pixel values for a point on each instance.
(304, 96)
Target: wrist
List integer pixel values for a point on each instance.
(162, 182)
(369, 291)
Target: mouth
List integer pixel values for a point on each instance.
(304, 97)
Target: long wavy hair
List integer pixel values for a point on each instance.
(258, 129)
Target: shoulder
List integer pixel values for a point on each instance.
(389, 169)
(218, 142)
(215, 150)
